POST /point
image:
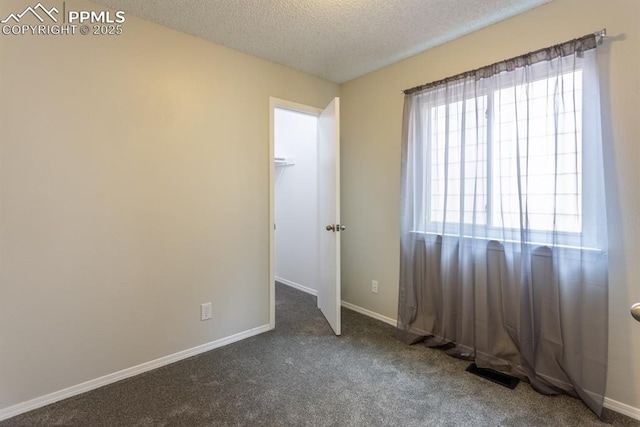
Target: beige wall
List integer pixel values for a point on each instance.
(133, 188)
(371, 129)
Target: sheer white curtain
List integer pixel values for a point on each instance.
(503, 227)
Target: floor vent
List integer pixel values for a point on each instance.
(494, 376)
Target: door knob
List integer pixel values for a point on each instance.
(331, 227)
(635, 311)
(343, 227)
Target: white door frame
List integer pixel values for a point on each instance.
(294, 106)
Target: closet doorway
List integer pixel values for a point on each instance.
(304, 203)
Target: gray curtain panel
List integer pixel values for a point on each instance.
(503, 226)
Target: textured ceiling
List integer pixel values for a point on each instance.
(337, 40)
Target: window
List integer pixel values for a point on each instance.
(506, 158)
(541, 152)
(458, 162)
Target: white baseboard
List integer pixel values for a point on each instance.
(614, 405)
(56, 396)
(41, 401)
(622, 408)
(297, 286)
(369, 313)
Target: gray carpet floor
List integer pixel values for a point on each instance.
(300, 374)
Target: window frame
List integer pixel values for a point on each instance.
(490, 230)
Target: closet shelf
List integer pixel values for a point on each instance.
(284, 161)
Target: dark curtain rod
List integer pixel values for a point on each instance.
(587, 42)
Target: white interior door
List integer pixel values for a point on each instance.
(329, 213)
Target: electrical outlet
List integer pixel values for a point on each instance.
(205, 311)
(374, 286)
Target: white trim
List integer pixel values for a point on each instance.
(622, 408)
(500, 240)
(57, 396)
(609, 403)
(75, 390)
(297, 286)
(273, 104)
(369, 313)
